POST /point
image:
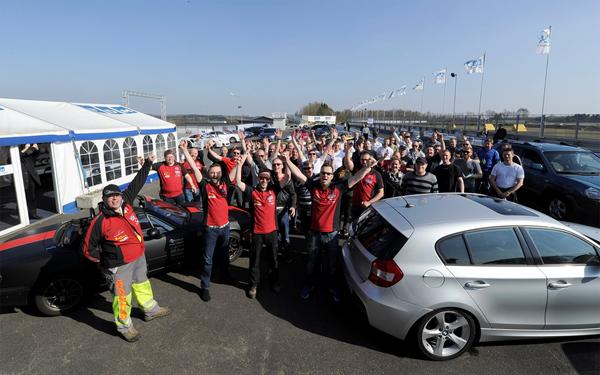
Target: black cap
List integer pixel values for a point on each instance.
(111, 189)
(421, 160)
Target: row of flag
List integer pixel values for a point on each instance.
(440, 78)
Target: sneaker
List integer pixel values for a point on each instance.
(305, 292)
(335, 294)
(162, 311)
(204, 295)
(131, 335)
(252, 292)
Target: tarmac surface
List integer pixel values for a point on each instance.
(274, 334)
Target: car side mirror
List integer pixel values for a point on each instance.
(154, 233)
(538, 167)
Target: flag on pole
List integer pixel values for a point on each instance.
(439, 77)
(420, 84)
(391, 94)
(475, 66)
(543, 46)
(402, 90)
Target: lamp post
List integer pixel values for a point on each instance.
(455, 76)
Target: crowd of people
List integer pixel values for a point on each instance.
(313, 185)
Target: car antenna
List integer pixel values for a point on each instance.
(408, 205)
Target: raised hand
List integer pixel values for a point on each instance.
(183, 144)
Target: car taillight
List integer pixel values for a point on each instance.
(385, 273)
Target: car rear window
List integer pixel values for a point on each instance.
(453, 251)
(378, 236)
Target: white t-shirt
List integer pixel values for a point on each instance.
(337, 159)
(386, 153)
(507, 175)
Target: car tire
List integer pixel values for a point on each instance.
(59, 295)
(558, 208)
(232, 140)
(235, 246)
(455, 328)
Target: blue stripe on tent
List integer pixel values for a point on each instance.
(13, 141)
(157, 131)
(93, 136)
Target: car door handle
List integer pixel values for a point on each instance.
(477, 284)
(559, 285)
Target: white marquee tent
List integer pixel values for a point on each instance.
(90, 145)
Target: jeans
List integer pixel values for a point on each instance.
(258, 240)
(212, 238)
(178, 200)
(323, 252)
(190, 196)
(283, 218)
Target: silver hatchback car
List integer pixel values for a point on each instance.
(448, 270)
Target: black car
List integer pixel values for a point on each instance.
(267, 133)
(45, 268)
(564, 178)
(254, 131)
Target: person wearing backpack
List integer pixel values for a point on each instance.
(115, 241)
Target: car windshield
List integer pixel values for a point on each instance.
(575, 162)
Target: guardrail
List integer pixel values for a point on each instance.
(579, 130)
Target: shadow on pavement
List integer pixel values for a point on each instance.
(319, 314)
(583, 356)
(86, 315)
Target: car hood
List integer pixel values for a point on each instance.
(592, 181)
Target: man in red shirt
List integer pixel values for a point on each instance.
(170, 175)
(263, 208)
(368, 190)
(228, 163)
(322, 238)
(215, 192)
(115, 241)
(190, 195)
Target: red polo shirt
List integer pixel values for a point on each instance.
(171, 183)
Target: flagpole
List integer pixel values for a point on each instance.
(422, 94)
(480, 94)
(445, 81)
(544, 97)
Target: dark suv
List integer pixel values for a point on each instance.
(566, 179)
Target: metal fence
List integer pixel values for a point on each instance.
(580, 130)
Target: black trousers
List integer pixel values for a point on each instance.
(270, 241)
(30, 196)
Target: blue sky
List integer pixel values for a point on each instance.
(279, 55)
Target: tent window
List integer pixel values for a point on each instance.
(147, 146)
(90, 160)
(171, 143)
(130, 154)
(112, 160)
(160, 147)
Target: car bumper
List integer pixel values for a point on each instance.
(14, 296)
(384, 310)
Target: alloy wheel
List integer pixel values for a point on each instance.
(446, 334)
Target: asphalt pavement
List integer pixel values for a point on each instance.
(274, 334)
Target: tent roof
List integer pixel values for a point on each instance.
(145, 123)
(18, 128)
(85, 121)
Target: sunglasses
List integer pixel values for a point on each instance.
(312, 153)
(237, 153)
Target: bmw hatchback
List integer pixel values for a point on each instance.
(448, 270)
